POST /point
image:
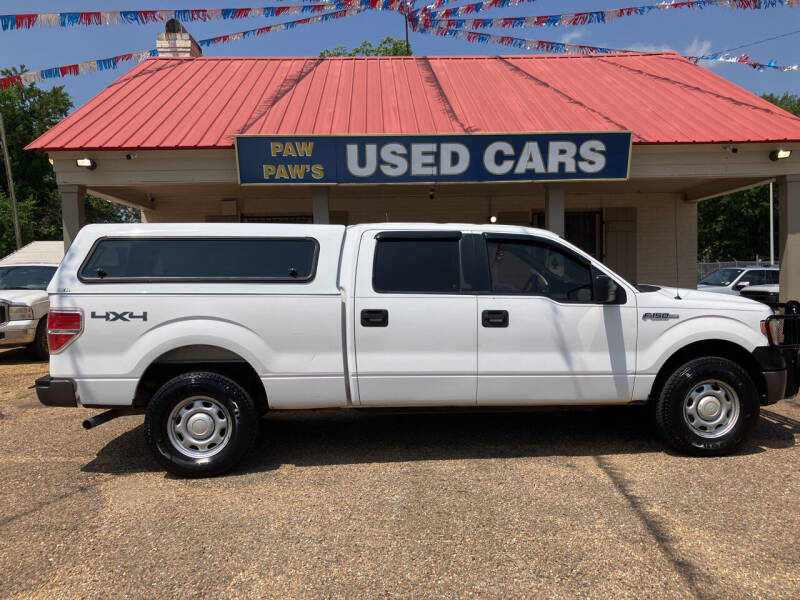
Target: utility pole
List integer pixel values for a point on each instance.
(408, 47)
(771, 229)
(13, 196)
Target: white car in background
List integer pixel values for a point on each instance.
(768, 294)
(731, 280)
(24, 276)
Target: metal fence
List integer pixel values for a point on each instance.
(705, 269)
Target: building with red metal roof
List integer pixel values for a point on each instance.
(203, 102)
(171, 137)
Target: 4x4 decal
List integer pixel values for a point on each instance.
(119, 316)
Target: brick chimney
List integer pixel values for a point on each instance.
(176, 41)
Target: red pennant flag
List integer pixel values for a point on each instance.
(69, 70)
(26, 21)
(7, 82)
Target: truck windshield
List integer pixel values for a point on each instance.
(722, 277)
(25, 278)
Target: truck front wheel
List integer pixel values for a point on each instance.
(200, 424)
(707, 407)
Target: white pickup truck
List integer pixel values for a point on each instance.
(206, 327)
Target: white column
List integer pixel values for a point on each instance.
(789, 222)
(319, 205)
(554, 208)
(73, 215)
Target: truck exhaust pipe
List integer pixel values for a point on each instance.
(103, 417)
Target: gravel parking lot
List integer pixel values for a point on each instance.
(559, 504)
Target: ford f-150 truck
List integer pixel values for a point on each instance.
(205, 327)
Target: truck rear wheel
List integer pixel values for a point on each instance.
(707, 407)
(200, 424)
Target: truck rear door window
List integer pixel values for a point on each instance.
(428, 266)
(201, 259)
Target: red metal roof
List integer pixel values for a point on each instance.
(191, 103)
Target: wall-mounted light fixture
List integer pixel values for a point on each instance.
(779, 154)
(492, 219)
(86, 163)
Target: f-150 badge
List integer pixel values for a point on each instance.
(126, 316)
(659, 316)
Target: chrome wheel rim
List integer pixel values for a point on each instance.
(199, 427)
(711, 409)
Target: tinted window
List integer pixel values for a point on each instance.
(538, 269)
(772, 276)
(756, 277)
(25, 278)
(722, 277)
(190, 258)
(417, 265)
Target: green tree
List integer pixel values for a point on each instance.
(388, 46)
(28, 112)
(735, 226)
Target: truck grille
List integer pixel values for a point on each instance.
(784, 330)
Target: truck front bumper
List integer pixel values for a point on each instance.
(17, 333)
(54, 391)
(780, 369)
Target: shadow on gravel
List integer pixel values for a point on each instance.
(18, 356)
(316, 438)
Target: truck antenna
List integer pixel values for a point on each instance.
(677, 271)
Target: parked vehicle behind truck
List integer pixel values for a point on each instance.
(24, 276)
(206, 327)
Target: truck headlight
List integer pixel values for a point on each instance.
(20, 313)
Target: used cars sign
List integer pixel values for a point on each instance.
(433, 158)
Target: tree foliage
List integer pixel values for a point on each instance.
(388, 46)
(736, 226)
(28, 112)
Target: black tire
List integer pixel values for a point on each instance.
(39, 347)
(675, 398)
(237, 421)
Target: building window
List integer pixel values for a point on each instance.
(538, 269)
(405, 266)
(200, 259)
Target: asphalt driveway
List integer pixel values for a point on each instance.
(554, 504)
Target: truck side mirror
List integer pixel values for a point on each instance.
(741, 285)
(605, 289)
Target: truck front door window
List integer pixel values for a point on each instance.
(533, 268)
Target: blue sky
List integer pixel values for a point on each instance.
(685, 31)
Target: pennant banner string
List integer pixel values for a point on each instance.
(142, 17)
(463, 34)
(113, 62)
(564, 48)
(441, 19)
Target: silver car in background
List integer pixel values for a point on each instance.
(731, 280)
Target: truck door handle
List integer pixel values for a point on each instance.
(494, 318)
(374, 317)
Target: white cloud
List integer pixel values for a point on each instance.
(698, 48)
(573, 36)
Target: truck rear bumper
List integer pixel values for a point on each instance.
(56, 392)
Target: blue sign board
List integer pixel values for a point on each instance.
(374, 159)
